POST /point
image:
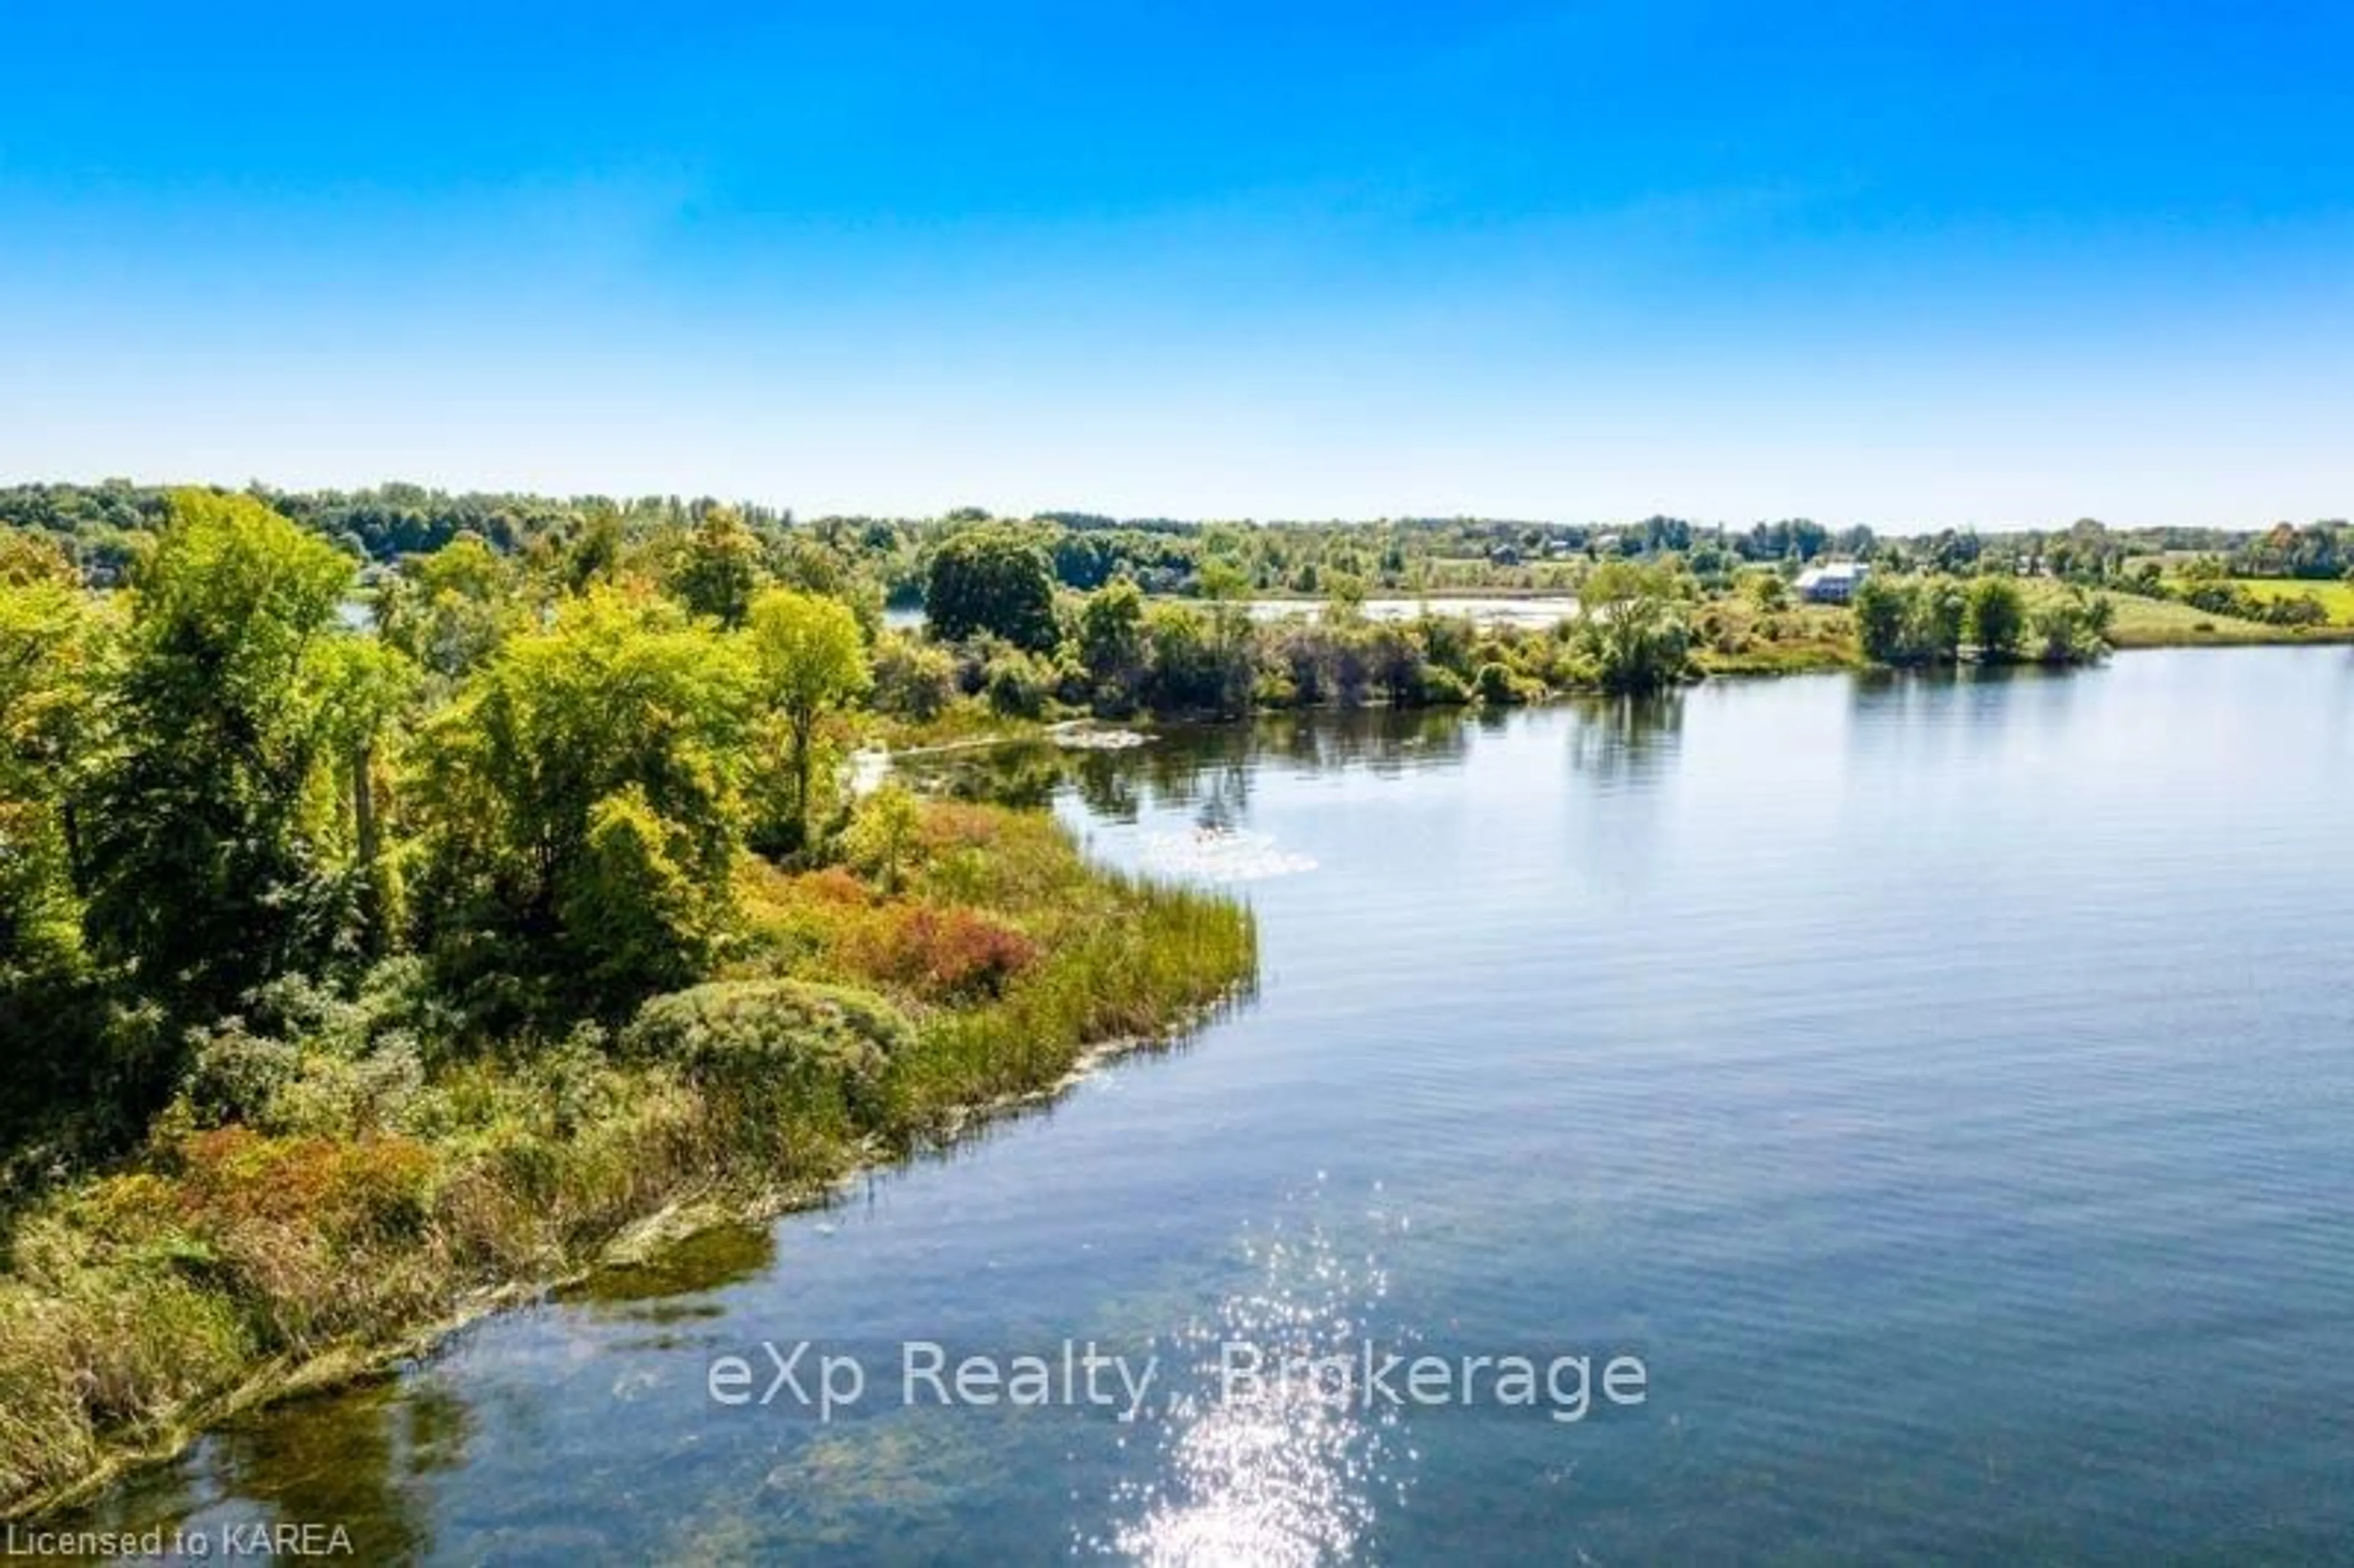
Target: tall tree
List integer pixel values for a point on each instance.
(1111, 643)
(1630, 623)
(203, 869)
(716, 568)
(1996, 619)
(581, 801)
(993, 580)
(809, 659)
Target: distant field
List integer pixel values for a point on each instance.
(2162, 623)
(2336, 597)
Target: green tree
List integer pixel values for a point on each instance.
(1884, 612)
(582, 805)
(1111, 643)
(1219, 578)
(1769, 590)
(1995, 620)
(1199, 663)
(632, 906)
(993, 579)
(51, 641)
(882, 834)
(448, 610)
(204, 868)
(2072, 629)
(364, 688)
(810, 661)
(1631, 625)
(1940, 611)
(716, 568)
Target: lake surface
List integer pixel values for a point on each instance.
(1944, 1086)
(1530, 611)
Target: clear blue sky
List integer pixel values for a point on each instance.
(1902, 263)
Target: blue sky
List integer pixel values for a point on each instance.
(1906, 264)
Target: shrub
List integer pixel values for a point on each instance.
(2304, 610)
(1442, 687)
(882, 835)
(786, 1067)
(912, 679)
(1498, 686)
(1017, 685)
(234, 1075)
(233, 1179)
(943, 952)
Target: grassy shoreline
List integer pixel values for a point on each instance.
(226, 1266)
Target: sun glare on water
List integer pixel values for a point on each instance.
(1291, 1478)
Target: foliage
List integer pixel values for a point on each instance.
(882, 834)
(1016, 684)
(716, 568)
(448, 610)
(1631, 626)
(1111, 645)
(993, 580)
(786, 1063)
(1910, 621)
(205, 867)
(1497, 687)
(602, 754)
(1198, 662)
(1995, 618)
(809, 659)
(2072, 629)
(317, 1193)
(911, 679)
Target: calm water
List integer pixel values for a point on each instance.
(1530, 611)
(1947, 1087)
(1535, 610)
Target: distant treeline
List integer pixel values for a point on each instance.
(101, 527)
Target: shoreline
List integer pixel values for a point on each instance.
(695, 1209)
(678, 1220)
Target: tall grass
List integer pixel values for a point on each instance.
(1164, 954)
(224, 1262)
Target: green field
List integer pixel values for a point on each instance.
(2163, 623)
(2337, 598)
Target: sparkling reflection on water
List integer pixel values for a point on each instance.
(1289, 1475)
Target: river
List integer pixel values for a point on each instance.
(1942, 1088)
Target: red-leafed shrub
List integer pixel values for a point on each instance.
(940, 951)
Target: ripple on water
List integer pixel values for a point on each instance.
(1291, 1476)
(1222, 854)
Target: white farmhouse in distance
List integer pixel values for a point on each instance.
(1831, 583)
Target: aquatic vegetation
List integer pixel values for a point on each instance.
(312, 1203)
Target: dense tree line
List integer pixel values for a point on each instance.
(535, 780)
(101, 525)
(518, 747)
(1940, 620)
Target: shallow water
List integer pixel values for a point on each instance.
(1944, 1088)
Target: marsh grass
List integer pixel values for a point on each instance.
(228, 1262)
